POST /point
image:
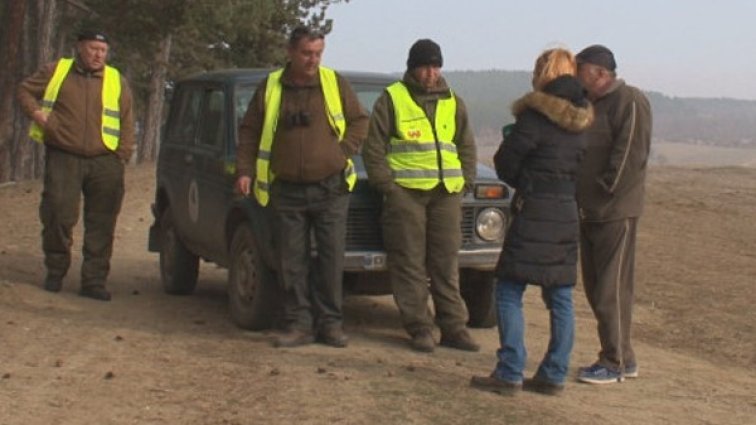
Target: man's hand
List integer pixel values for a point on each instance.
(40, 117)
(244, 185)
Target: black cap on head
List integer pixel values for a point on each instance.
(93, 35)
(597, 55)
(424, 52)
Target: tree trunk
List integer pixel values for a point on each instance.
(28, 156)
(147, 149)
(8, 71)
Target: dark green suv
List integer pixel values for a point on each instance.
(199, 215)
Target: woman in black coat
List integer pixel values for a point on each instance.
(539, 157)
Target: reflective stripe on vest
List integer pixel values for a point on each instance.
(419, 148)
(273, 90)
(111, 93)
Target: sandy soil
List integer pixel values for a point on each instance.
(150, 358)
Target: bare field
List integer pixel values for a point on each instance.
(150, 358)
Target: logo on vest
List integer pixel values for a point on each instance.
(414, 134)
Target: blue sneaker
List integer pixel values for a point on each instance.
(598, 374)
(631, 371)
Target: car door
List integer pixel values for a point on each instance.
(177, 156)
(211, 187)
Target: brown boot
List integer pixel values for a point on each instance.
(540, 385)
(333, 336)
(495, 385)
(95, 292)
(422, 341)
(294, 338)
(461, 340)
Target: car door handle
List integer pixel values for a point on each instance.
(189, 159)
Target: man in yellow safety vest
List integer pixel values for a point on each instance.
(296, 141)
(420, 153)
(81, 110)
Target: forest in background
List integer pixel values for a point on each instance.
(151, 42)
(168, 39)
(701, 121)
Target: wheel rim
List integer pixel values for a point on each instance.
(246, 276)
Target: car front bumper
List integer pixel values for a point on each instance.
(484, 259)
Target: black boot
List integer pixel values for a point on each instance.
(53, 284)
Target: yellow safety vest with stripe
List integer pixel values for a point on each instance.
(329, 84)
(111, 111)
(421, 154)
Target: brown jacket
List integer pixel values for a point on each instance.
(75, 122)
(383, 127)
(302, 153)
(611, 181)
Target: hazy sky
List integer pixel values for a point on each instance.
(701, 48)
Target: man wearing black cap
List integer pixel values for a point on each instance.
(82, 111)
(610, 197)
(420, 153)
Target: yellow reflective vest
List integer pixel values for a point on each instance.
(273, 90)
(111, 110)
(422, 155)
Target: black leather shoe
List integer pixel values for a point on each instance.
(53, 284)
(495, 385)
(334, 336)
(95, 292)
(460, 340)
(294, 338)
(540, 385)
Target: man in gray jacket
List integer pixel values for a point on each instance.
(610, 198)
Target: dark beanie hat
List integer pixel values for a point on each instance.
(597, 55)
(424, 52)
(92, 35)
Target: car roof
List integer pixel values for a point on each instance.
(252, 75)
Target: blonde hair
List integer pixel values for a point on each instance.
(551, 64)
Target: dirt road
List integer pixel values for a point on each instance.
(150, 358)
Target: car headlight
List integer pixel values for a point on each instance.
(490, 224)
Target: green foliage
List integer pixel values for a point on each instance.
(205, 34)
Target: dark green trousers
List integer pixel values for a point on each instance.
(308, 212)
(607, 259)
(100, 181)
(422, 236)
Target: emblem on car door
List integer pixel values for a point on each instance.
(193, 201)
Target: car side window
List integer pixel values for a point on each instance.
(213, 129)
(182, 131)
(244, 94)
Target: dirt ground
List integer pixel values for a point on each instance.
(150, 358)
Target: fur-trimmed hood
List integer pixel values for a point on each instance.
(573, 114)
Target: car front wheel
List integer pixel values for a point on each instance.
(477, 289)
(178, 266)
(253, 294)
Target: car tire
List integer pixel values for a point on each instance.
(253, 295)
(477, 289)
(178, 266)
